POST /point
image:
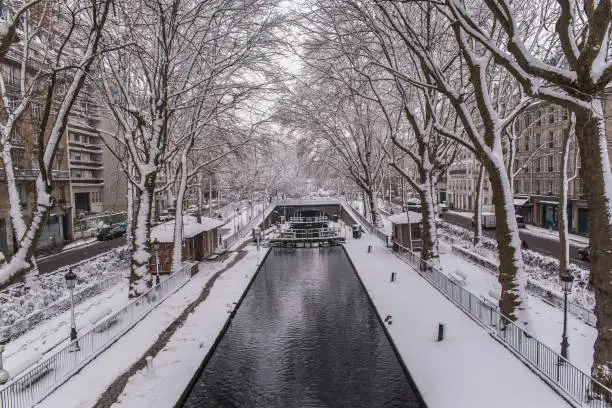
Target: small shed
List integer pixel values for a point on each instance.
(199, 241)
(406, 226)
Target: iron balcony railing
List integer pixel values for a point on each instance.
(37, 382)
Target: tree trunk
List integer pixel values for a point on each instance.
(373, 208)
(140, 272)
(27, 244)
(177, 252)
(597, 181)
(512, 277)
(478, 209)
(429, 237)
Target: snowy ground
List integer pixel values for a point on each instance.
(547, 320)
(55, 331)
(178, 361)
(469, 368)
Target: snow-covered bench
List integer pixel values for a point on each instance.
(35, 374)
(458, 277)
(96, 318)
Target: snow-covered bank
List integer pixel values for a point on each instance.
(24, 306)
(547, 320)
(541, 269)
(86, 388)
(469, 368)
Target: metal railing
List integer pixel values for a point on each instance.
(551, 366)
(34, 384)
(308, 220)
(311, 233)
(246, 228)
(558, 371)
(357, 216)
(97, 221)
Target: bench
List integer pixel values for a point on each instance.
(98, 317)
(458, 277)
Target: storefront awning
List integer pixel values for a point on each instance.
(519, 202)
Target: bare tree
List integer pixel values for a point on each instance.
(561, 54)
(176, 48)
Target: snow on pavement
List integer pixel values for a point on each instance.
(469, 368)
(547, 320)
(84, 389)
(176, 364)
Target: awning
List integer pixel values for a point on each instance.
(519, 202)
(549, 202)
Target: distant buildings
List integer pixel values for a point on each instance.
(539, 131)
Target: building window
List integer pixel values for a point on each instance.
(527, 143)
(565, 114)
(550, 164)
(551, 139)
(537, 186)
(550, 187)
(551, 115)
(539, 116)
(538, 162)
(538, 140)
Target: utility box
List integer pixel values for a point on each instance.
(356, 231)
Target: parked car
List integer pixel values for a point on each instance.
(583, 253)
(520, 221)
(110, 233)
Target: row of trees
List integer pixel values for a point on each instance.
(179, 79)
(387, 80)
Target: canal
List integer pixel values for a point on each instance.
(304, 336)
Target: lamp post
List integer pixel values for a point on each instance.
(70, 284)
(567, 280)
(156, 248)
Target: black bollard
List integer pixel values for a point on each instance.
(369, 248)
(393, 276)
(440, 332)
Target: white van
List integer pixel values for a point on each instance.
(488, 220)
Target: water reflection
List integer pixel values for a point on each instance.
(305, 336)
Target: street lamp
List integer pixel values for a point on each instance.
(156, 248)
(70, 284)
(567, 280)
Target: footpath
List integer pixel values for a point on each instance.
(468, 368)
(177, 335)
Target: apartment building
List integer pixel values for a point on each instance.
(540, 131)
(25, 151)
(461, 183)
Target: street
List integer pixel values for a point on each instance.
(53, 262)
(541, 244)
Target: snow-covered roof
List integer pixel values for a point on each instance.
(191, 228)
(520, 201)
(402, 218)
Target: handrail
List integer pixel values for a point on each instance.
(37, 382)
(551, 366)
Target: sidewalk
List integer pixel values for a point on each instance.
(468, 369)
(177, 361)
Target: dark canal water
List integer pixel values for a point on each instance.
(305, 336)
